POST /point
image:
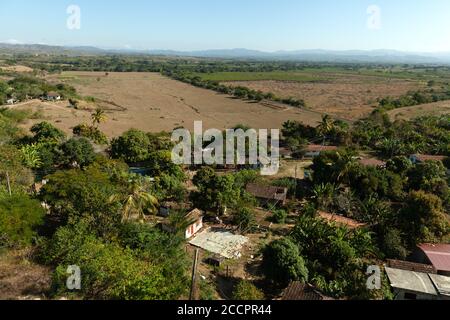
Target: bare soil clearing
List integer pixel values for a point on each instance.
(155, 103)
(17, 68)
(349, 97)
(22, 279)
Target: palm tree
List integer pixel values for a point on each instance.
(325, 126)
(98, 117)
(324, 195)
(137, 200)
(179, 222)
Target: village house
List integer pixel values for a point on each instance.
(417, 281)
(437, 255)
(11, 101)
(268, 194)
(313, 150)
(297, 291)
(340, 220)
(410, 285)
(52, 96)
(196, 224)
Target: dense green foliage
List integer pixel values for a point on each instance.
(20, 217)
(282, 262)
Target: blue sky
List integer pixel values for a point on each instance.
(270, 25)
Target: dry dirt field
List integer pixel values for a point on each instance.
(151, 102)
(430, 109)
(348, 97)
(17, 68)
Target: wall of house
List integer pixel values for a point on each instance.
(401, 294)
(194, 228)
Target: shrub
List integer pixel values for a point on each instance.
(246, 290)
(244, 218)
(46, 131)
(108, 270)
(91, 133)
(279, 216)
(19, 218)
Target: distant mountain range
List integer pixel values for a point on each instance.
(373, 56)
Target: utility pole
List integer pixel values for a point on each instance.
(8, 183)
(194, 275)
(295, 191)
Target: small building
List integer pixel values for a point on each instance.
(11, 101)
(195, 217)
(215, 261)
(340, 220)
(52, 96)
(410, 285)
(372, 162)
(437, 255)
(268, 194)
(300, 291)
(420, 158)
(314, 150)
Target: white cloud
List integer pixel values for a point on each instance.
(12, 41)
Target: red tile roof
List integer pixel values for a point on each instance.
(350, 223)
(438, 254)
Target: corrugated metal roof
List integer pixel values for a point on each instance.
(267, 192)
(438, 254)
(441, 283)
(411, 281)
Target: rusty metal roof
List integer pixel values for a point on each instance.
(300, 291)
(267, 192)
(438, 254)
(411, 266)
